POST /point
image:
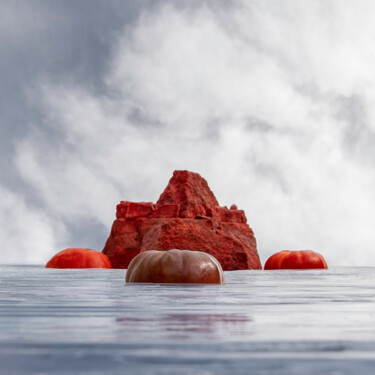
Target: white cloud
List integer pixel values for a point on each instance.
(28, 235)
(246, 97)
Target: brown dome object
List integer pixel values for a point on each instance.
(175, 266)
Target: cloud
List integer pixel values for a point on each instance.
(28, 235)
(271, 103)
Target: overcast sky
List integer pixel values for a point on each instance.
(273, 102)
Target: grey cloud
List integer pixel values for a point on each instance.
(62, 41)
(113, 97)
(254, 124)
(358, 135)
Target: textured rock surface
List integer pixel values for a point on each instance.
(186, 216)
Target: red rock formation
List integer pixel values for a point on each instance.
(186, 216)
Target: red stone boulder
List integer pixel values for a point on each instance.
(186, 216)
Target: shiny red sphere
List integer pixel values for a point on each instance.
(301, 259)
(79, 258)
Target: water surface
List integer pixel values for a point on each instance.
(261, 322)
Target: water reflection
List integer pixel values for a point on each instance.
(202, 323)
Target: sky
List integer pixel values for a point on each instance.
(272, 102)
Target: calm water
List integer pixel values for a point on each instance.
(274, 322)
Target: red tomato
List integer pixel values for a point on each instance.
(302, 259)
(79, 258)
(175, 266)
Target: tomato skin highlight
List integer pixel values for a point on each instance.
(300, 259)
(175, 266)
(79, 258)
